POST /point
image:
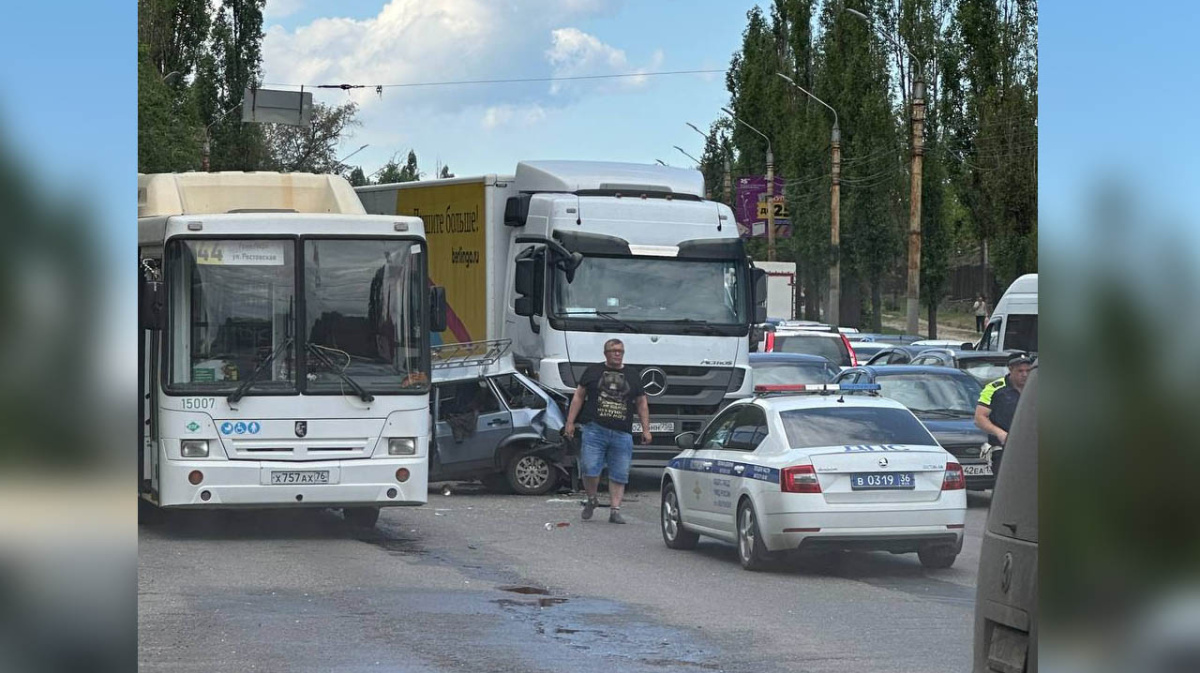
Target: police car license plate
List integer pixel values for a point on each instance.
(289, 477)
(666, 426)
(889, 480)
(984, 470)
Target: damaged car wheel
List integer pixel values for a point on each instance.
(532, 474)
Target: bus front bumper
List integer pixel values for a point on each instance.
(350, 483)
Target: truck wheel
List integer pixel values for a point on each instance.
(673, 532)
(361, 517)
(531, 474)
(937, 557)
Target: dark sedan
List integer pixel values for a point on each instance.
(944, 399)
(893, 354)
(791, 368)
(985, 366)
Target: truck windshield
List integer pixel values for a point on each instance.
(362, 306)
(234, 303)
(637, 289)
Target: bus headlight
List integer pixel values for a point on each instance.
(402, 446)
(194, 448)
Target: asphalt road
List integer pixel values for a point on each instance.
(474, 581)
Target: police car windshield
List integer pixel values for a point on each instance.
(842, 426)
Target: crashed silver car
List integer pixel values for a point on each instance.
(493, 423)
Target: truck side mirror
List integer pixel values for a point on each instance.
(759, 278)
(437, 309)
(516, 210)
(151, 305)
(530, 283)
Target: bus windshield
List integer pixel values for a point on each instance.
(234, 309)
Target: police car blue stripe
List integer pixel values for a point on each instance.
(726, 467)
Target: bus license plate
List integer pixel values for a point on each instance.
(290, 477)
(879, 482)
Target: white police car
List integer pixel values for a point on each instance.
(811, 467)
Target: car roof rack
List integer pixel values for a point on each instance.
(468, 353)
(767, 390)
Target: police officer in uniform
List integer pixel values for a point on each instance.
(997, 406)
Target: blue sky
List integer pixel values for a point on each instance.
(1119, 97)
(488, 128)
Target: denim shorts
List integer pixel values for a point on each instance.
(602, 446)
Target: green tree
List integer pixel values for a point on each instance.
(445, 173)
(312, 148)
(357, 178)
(168, 122)
(410, 172)
(235, 58)
(389, 174)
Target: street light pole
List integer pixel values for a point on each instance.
(770, 186)
(728, 168)
(833, 312)
(207, 139)
(914, 199)
(707, 189)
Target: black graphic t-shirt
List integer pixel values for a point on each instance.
(612, 396)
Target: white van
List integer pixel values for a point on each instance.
(1014, 323)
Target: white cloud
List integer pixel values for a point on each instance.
(416, 41)
(278, 9)
(498, 116)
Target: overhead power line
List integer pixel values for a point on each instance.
(515, 80)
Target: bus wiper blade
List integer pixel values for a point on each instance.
(320, 355)
(240, 392)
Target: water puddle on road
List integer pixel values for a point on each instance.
(545, 601)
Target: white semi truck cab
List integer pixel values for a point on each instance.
(284, 345)
(602, 250)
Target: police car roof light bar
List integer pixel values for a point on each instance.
(825, 388)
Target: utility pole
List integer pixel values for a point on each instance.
(833, 311)
(770, 186)
(914, 199)
(914, 211)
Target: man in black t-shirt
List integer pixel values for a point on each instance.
(607, 396)
(997, 406)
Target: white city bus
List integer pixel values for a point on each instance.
(284, 347)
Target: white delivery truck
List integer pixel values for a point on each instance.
(563, 255)
(781, 289)
(1013, 324)
(284, 348)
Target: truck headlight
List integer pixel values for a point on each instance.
(402, 446)
(194, 448)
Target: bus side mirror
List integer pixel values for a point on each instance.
(437, 309)
(759, 277)
(152, 306)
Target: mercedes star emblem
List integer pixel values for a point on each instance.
(654, 381)
(301, 428)
(883, 462)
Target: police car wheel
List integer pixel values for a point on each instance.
(361, 517)
(531, 475)
(673, 532)
(752, 551)
(937, 557)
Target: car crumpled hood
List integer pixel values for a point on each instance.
(951, 431)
